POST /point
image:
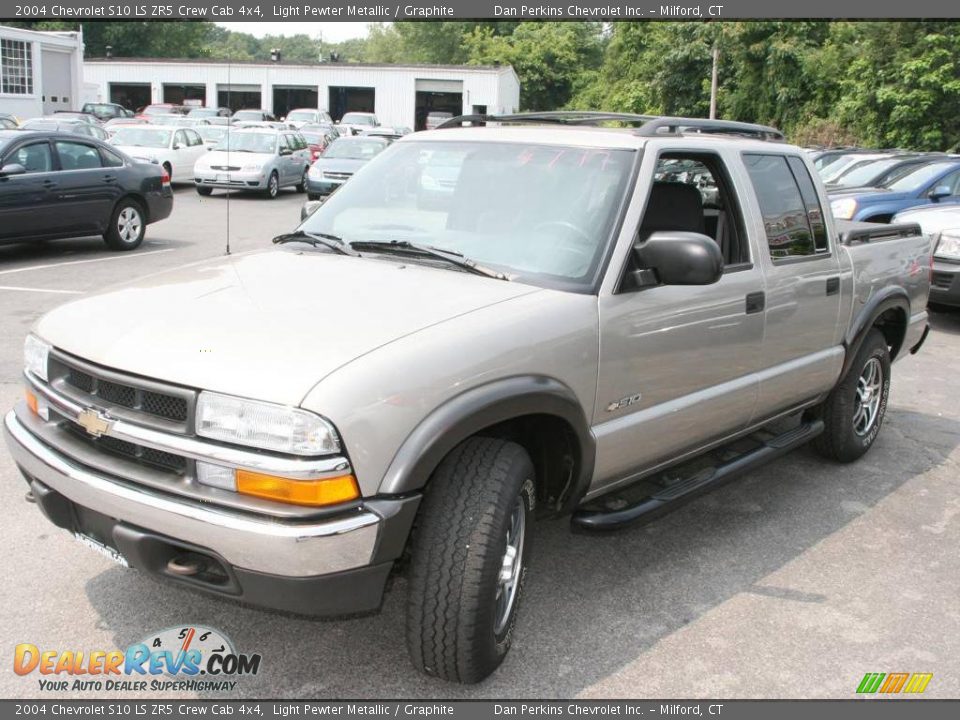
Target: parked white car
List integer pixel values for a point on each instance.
(307, 116)
(177, 149)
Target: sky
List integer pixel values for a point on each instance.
(332, 31)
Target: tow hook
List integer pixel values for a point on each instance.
(29, 497)
(184, 566)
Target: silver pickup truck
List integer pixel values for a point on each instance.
(528, 316)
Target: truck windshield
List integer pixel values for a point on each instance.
(542, 214)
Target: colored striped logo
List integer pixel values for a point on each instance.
(891, 683)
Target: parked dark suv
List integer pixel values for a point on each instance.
(55, 185)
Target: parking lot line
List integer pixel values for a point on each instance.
(81, 262)
(43, 290)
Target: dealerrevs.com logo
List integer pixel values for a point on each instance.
(189, 658)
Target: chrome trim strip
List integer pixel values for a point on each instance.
(296, 469)
(269, 546)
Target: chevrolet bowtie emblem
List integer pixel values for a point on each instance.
(93, 422)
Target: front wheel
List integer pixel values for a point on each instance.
(205, 191)
(273, 186)
(127, 226)
(853, 412)
(470, 555)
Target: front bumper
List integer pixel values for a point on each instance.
(322, 186)
(236, 179)
(333, 565)
(945, 283)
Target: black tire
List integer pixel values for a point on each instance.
(312, 196)
(847, 435)
(458, 629)
(205, 191)
(273, 186)
(302, 185)
(128, 224)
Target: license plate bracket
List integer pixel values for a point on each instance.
(105, 550)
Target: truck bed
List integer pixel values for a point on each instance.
(857, 233)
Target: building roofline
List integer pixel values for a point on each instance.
(317, 66)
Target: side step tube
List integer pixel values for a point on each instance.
(677, 494)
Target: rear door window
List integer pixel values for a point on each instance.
(785, 219)
(77, 156)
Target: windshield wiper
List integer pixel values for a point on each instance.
(404, 247)
(317, 240)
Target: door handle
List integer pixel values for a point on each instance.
(833, 285)
(109, 178)
(49, 184)
(756, 301)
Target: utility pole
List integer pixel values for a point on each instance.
(713, 81)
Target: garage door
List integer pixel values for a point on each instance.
(440, 86)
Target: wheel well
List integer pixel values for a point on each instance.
(552, 445)
(882, 218)
(892, 324)
(141, 201)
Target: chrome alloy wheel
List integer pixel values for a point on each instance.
(129, 224)
(869, 395)
(511, 566)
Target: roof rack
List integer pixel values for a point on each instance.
(646, 125)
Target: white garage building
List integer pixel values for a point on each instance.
(398, 94)
(40, 72)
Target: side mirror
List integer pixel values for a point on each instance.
(309, 208)
(12, 169)
(177, 146)
(940, 191)
(286, 151)
(675, 258)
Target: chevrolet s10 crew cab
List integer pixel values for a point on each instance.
(486, 325)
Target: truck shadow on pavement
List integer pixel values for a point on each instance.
(593, 604)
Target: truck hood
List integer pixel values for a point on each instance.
(265, 325)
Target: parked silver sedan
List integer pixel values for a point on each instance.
(260, 159)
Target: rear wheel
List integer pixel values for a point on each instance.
(853, 412)
(273, 186)
(302, 185)
(470, 555)
(127, 226)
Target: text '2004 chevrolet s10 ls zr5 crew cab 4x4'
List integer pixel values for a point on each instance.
(419, 372)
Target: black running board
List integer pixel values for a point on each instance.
(675, 495)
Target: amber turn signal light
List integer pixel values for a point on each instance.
(32, 402)
(328, 491)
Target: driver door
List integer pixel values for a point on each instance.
(678, 363)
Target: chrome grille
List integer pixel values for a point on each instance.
(130, 451)
(942, 280)
(337, 175)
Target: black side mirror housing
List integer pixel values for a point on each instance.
(675, 258)
(940, 192)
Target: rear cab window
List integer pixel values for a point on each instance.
(792, 216)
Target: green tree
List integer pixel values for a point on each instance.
(548, 58)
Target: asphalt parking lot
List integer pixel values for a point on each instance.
(793, 581)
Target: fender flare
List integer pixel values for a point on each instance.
(478, 408)
(889, 298)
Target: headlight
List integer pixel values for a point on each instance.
(843, 208)
(35, 354)
(264, 425)
(315, 172)
(949, 245)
